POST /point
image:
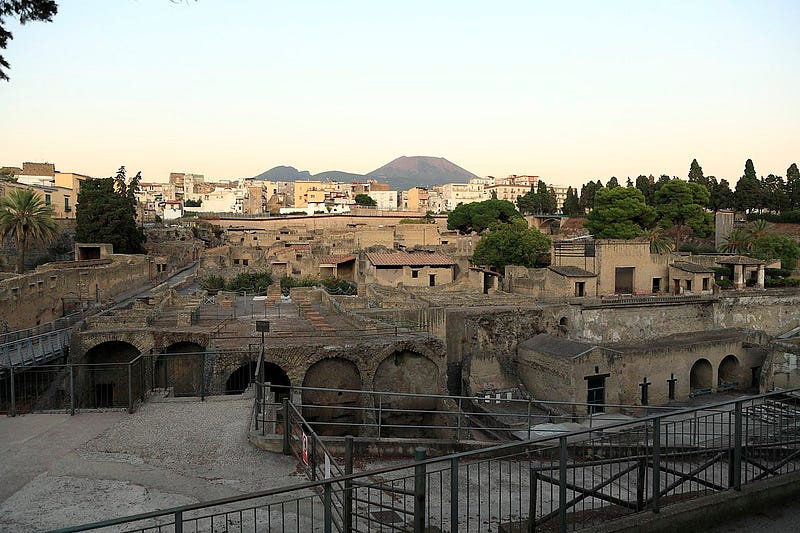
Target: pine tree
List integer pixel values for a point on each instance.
(747, 196)
(571, 205)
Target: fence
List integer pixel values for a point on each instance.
(557, 483)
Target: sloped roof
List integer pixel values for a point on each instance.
(572, 271)
(294, 248)
(739, 260)
(336, 259)
(409, 259)
(692, 267)
(555, 346)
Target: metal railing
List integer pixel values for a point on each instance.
(558, 483)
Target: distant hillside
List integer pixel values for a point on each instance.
(284, 173)
(406, 172)
(401, 174)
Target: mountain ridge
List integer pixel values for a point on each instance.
(401, 173)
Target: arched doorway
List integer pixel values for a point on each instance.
(278, 380)
(107, 379)
(241, 378)
(180, 368)
(336, 417)
(408, 372)
(729, 373)
(700, 377)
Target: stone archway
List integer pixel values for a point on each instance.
(106, 377)
(241, 378)
(729, 373)
(337, 417)
(700, 376)
(408, 372)
(278, 380)
(180, 368)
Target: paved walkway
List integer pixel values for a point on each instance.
(58, 470)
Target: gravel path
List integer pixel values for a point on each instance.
(75, 470)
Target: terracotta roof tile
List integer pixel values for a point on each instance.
(410, 259)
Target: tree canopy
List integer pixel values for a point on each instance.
(478, 216)
(681, 204)
(572, 206)
(510, 244)
(365, 200)
(619, 213)
(106, 212)
(25, 218)
(25, 11)
(775, 246)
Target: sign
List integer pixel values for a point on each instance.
(304, 451)
(262, 326)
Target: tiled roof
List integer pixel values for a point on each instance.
(692, 267)
(336, 259)
(410, 259)
(572, 272)
(739, 260)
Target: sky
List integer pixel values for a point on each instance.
(569, 91)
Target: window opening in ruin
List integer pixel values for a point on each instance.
(705, 284)
(432, 280)
(580, 288)
(415, 274)
(244, 262)
(688, 285)
(623, 280)
(596, 393)
(656, 285)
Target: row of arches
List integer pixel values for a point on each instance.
(729, 374)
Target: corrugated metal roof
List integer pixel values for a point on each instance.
(572, 271)
(692, 267)
(409, 259)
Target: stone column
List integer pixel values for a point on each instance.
(760, 279)
(738, 277)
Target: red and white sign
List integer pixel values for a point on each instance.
(304, 452)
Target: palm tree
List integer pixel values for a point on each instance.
(738, 242)
(659, 243)
(759, 228)
(27, 219)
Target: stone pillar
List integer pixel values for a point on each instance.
(738, 277)
(760, 279)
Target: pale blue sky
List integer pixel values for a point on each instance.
(570, 91)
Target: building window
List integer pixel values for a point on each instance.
(244, 262)
(580, 288)
(47, 200)
(235, 261)
(415, 274)
(67, 208)
(705, 284)
(688, 285)
(656, 285)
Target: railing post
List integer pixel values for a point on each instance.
(326, 504)
(640, 481)
(130, 388)
(71, 391)
(532, 495)
(380, 401)
(178, 522)
(13, 411)
(203, 372)
(259, 404)
(313, 458)
(347, 512)
(530, 401)
(287, 427)
(454, 495)
(562, 484)
(458, 430)
(656, 463)
(737, 446)
(419, 491)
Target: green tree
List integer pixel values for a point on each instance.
(747, 196)
(619, 213)
(774, 197)
(192, 203)
(510, 244)
(737, 242)
(644, 184)
(775, 246)
(682, 205)
(588, 192)
(572, 206)
(696, 174)
(659, 243)
(365, 200)
(793, 187)
(721, 194)
(26, 219)
(612, 183)
(477, 216)
(106, 212)
(25, 11)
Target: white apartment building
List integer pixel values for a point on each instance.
(461, 193)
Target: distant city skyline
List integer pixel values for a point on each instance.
(569, 92)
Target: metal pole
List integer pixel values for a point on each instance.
(529, 418)
(458, 431)
(380, 397)
(656, 463)
(13, 411)
(287, 427)
(313, 458)
(326, 501)
(347, 512)
(562, 484)
(178, 522)
(419, 491)
(532, 490)
(71, 391)
(130, 388)
(737, 447)
(203, 377)
(454, 495)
